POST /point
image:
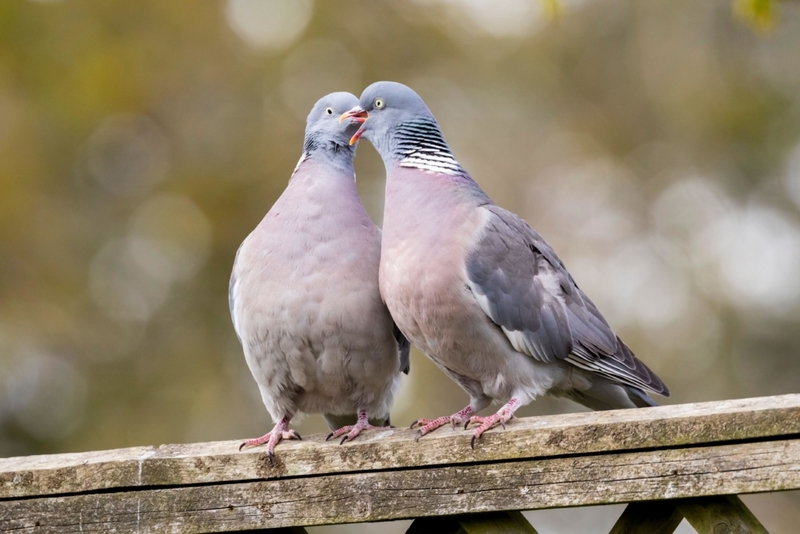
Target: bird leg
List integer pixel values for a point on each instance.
(352, 431)
(281, 431)
(428, 425)
(502, 416)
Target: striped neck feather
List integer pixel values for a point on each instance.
(328, 150)
(419, 144)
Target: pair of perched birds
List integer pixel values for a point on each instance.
(325, 304)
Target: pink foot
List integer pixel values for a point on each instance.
(273, 437)
(352, 431)
(428, 425)
(502, 416)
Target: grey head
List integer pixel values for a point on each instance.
(326, 137)
(401, 127)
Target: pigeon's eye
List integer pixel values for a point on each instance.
(379, 103)
(329, 110)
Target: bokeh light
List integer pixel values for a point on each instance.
(45, 394)
(128, 155)
(314, 69)
(269, 24)
(655, 145)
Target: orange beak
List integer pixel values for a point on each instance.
(357, 115)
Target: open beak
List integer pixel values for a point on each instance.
(358, 115)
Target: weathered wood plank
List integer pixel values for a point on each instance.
(496, 523)
(649, 517)
(580, 433)
(724, 514)
(410, 493)
(487, 523)
(285, 530)
(439, 525)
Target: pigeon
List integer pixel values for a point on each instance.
(478, 290)
(304, 295)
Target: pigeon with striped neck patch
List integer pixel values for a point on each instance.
(304, 293)
(478, 290)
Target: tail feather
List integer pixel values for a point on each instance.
(606, 395)
(639, 397)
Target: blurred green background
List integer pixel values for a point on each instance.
(655, 144)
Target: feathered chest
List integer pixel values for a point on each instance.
(426, 240)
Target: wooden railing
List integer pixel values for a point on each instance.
(671, 462)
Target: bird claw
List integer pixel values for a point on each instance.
(422, 422)
(352, 431)
(502, 417)
(273, 437)
(429, 425)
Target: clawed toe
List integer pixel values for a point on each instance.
(350, 432)
(256, 441)
(504, 415)
(421, 422)
(338, 432)
(273, 437)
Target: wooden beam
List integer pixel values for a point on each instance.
(496, 523)
(285, 530)
(418, 492)
(649, 517)
(571, 434)
(488, 523)
(439, 525)
(724, 514)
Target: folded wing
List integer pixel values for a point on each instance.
(522, 285)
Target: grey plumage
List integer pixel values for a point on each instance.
(304, 293)
(335, 422)
(476, 288)
(515, 274)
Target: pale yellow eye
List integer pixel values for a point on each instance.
(379, 103)
(329, 110)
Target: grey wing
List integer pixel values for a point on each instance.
(403, 348)
(522, 285)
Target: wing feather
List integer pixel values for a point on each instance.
(521, 284)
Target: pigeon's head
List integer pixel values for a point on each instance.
(384, 105)
(323, 128)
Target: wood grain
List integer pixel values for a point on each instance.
(419, 492)
(723, 514)
(535, 437)
(651, 517)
